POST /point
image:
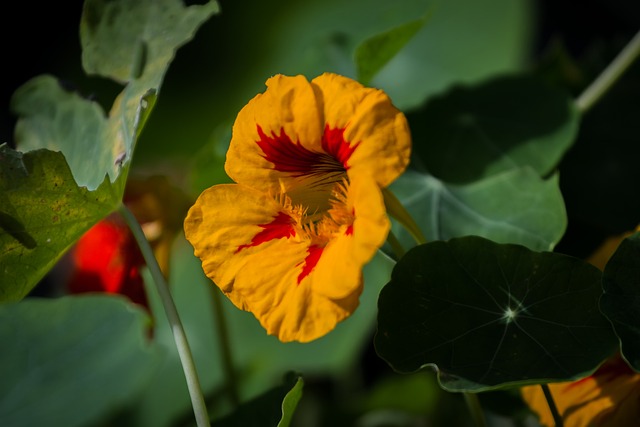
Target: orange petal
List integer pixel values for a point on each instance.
(370, 120)
(253, 252)
(308, 134)
(339, 270)
(609, 397)
(287, 117)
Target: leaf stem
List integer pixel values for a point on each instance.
(223, 339)
(473, 403)
(179, 335)
(610, 75)
(398, 211)
(557, 418)
(395, 244)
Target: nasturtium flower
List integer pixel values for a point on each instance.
(289, 239)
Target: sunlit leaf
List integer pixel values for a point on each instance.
(487, 315)
(621, 299)
(42, 213)
(130, 42)
(134, 43)
(47, 207)
(516, 206)
(372, 54)
(471, 133)
(273, 408)
(71, 361)
(55, 118)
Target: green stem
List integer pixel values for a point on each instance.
(473, 403)
(179, 336)
(397, 210)
(395, 245)
(610, 75)
(227, 359)
(557, 418)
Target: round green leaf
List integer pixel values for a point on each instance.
(71, 361)
(620, 301)
(487, 315)
(515, 206)
(471, 133)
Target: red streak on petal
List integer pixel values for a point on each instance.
(334, 144)
(349, 231)
(281, 226)
(292, 157)
(313, 256)
(614, 368)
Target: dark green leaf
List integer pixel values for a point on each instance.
(71, 361)
(471, 133)
(372, 54)
(516, 206)
(621, 299)
(274, 408)
(488, 315)
(42, 213)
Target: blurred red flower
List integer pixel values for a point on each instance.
(107, 259)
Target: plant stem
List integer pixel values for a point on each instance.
(610, 75)
(398, 211)
(179, 336)
(557, 418)
(473, 403)
(395, 245)
(227, 360)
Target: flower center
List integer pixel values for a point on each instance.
(321, 226)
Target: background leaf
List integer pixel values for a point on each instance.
(516, 206)
(134, 43)
(488, 315)
(315, 36)
(621, 299)
(372, 54)
(273, 408)
(72, 361)
(58, 119)
(42, 213)
(48, 208)
(474, 132)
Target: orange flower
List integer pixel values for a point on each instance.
(289, 240)
(608, 398)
